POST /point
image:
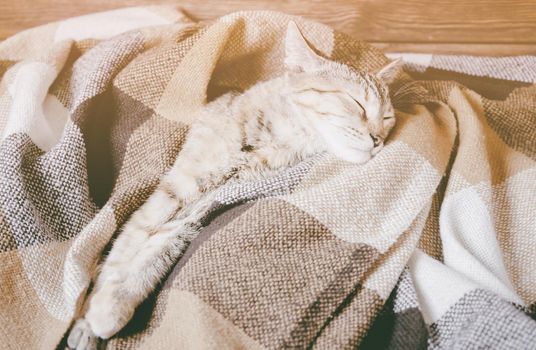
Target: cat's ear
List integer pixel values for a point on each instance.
(299, 57)
(390, 72)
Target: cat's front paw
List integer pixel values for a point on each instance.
(107, 314)
(82, 337)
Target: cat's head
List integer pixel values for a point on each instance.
(351, 110)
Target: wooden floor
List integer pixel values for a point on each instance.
(506, 27)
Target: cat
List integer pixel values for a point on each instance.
(317, 105)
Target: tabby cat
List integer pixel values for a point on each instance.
(317, 106)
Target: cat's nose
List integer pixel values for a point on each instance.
(376, 140)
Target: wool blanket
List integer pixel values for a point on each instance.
(431, 244)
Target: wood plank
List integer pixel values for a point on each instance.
(416, 21)
(460, 48)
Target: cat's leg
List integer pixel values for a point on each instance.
(151, 242)
(152, 239)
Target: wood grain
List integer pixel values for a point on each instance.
(460, 49)
(389, 23)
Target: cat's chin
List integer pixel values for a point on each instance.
(356, 157)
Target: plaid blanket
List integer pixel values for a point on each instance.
(430, 244)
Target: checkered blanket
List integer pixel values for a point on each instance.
(430, 244)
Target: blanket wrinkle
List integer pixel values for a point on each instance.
(431, 244)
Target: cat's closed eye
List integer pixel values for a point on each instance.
(359, 104)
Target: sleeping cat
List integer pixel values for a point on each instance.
(316, 106)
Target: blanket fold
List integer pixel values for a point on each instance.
(431, 244)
